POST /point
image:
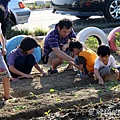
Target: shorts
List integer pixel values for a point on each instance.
(104, 71)
(53, 56)
(3, 65)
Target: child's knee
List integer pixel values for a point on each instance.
(105, 71)
(57, 60)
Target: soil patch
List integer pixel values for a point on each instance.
(61, 96)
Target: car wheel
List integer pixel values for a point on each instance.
(83, 17)
(112, 11)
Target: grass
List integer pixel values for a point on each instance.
(13, 32)
(92, 43)
(35, 6)
(117, 40)
(40, 32)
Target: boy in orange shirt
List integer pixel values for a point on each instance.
(85, 58)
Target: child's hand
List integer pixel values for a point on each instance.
(71, 63)
(63, 48)
(117, 72)
(44, 74)
(4, 51)
(101, 82)
(27, 76)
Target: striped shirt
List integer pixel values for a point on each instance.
(53, 40)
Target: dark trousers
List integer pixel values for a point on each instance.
(24, 64)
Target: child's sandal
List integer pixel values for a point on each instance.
(5, 99)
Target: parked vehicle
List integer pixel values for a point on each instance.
(86, 8)
(19, 14)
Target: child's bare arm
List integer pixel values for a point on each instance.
(2, 40)
(40, 70)
(117, 73)
(14, 70)
(98, 76)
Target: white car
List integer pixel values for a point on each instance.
(19, 13)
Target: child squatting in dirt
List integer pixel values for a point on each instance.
(4, 72)
(21, 60)
(104, 63)
(85, 58)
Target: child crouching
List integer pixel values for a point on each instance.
(21, 60)
(104, 63)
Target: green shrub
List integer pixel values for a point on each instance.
(117, 40)
(13, 32)
(35, 6)
(48, 5)
(40, 32)
(92, 43)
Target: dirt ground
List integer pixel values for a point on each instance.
(38, 98)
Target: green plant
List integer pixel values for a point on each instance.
(77, 106)
(33, 6)
(47, 4)
(90, 85)
(39, 32)
(117, 39)
(100, 100)
(92, 43)
(65, 62)
(19, 107)
(76, 96)
(101, 92)
(52, 90)
(113, 88)
(47, 112)
(13, 32)
(91, 104)
(60, 109)
(31, 94)
(57, 100)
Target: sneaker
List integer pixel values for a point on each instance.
(90, 74)
(14, 79)
(82, 75)
(50, 71)
(6, 100)
(69, 69)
